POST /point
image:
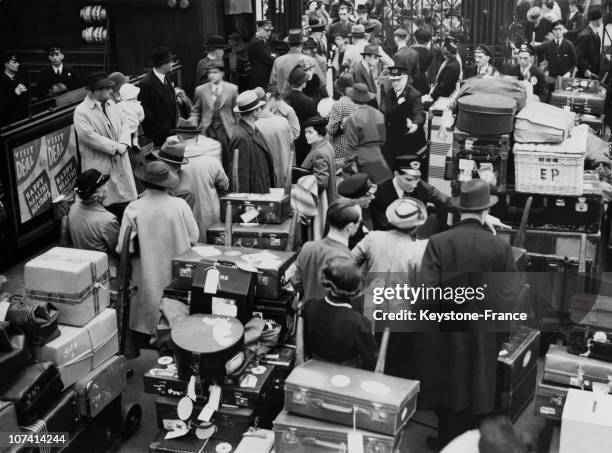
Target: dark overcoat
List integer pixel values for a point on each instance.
(260, 56)
(159, 105)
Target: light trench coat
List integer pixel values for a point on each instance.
(99, 136)
(165, 227)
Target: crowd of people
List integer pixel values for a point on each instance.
(352, 114)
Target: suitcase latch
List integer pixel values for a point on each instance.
(299, 397)
(290, 437)
(379, 414)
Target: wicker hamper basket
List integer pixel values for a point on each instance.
(548, 173)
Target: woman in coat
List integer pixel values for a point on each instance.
(164, 227)
(320, 159)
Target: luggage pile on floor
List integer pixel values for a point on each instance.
(59, 343)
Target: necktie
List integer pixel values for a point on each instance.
(559, 43)
(57, 72)
(103, 104)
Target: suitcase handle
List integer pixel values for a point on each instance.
(311, 441)
(332, 407)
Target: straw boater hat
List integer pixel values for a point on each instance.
(172, 151)
(157, 173)
(247, 101)
(406, 213)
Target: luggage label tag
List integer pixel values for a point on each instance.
(212, 281)
(212, 405)
(250, 214)
(224, 307)
(191, 388)
(355, 438)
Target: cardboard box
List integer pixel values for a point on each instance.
(76, 281)
(586, 424)
(104, 336)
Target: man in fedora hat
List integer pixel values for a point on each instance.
(284, 64)
(354, 51)
(203, 175)
(303, 106)
(172, 152)
(588, 45)
(538, 28)
(195, 142)
(158, 98)
(365, 134)
(560, 53)
(406, 57)
(252, 165)
(165, 228)
(367, 70)
(404, 115)
(57, 78)
(212, 109)
(261, 55)
(215, 50)
(104, 138)
(457, 363)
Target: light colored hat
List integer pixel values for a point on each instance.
(172, 151)
(247, 101)
(406, 213)
(534, 14)
(158, 173)
(129, 91)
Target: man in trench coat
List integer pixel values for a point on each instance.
(457, 363)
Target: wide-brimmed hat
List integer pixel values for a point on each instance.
(186, 127)
(474, 195)
(172, 151)
(406, 213)
(359, 92)
(247, 101)
(119, 79)
(371, 49)
(88, 181)
(161, 55)
(358, 31)
(295, 36)
(157, 173)
(99, 80)
(214, 42)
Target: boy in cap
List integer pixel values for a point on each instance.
(560, 53)
(14, 94)
(261, 55)
(530, 74)
(104, 138)
(588, 46)
(482, 57)
(57, 78)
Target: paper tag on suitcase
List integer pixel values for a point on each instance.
(212, 405)
(355, 442)
(249, 215)
(212, 281)
(224, 307)
(191, 388)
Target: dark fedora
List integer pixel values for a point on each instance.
(359, 92)
(161, 55)
(157, 173)
(215, 42)
(186, 127)
(295, 36)
(172, 151)
(98, 81)
(370, 49)
(474, 195)
(88, 181)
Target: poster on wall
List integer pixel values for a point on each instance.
(44, 168)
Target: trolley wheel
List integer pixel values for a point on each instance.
(131, 415)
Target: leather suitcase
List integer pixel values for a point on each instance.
(8, 417)
(256, 440)
(517, 357)
(273, 208)
(297, 434)
(282, 358)
(577, 84)
(549, 400)
(183, 295)
(330, 392)
(514, 401)
(252, 235)
(561, 367)
(591, 310)
(190, 444)
(250, 389)
(14, 358)
(486, 114)
(102, 385)
(63, 416)
(591, 103)
(271, 266)
(166, 382)
(231, 421)
(34, 390)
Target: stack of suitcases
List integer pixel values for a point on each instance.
(61, 372)
(586, 97)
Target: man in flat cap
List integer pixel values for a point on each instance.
(588, 46)
(421, 47)
(14, 93)
(261, 55)
(560, 53)
(482, 57)
(57, 78)
(158, 98)
(405, 56)
(526, 71)
(104, 137)
(212, 109)
(404, 117)
(214, 47)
